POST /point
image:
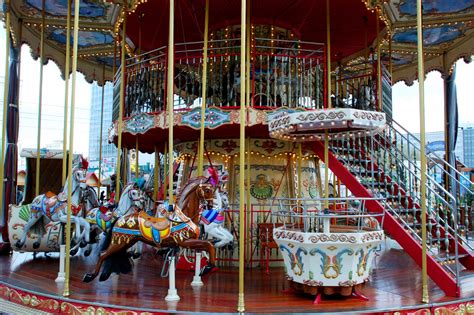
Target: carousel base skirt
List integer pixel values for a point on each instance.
(394, 286)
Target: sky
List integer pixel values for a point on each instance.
(53, 103)
(405, 102)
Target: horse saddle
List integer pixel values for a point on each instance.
(153, 229)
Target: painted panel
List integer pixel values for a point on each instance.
(86, 38)
(59, 8)
(431, 36)
(408, 7)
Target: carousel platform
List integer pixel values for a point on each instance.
(394, 286)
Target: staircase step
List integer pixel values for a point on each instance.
(450, 259)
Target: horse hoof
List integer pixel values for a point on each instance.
(88, 278)
(104, 276)
(83, 244)
(208, 269)
(87, 252)
(36, 245)
(19, 244)
(73, 252)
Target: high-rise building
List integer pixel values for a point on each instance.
(468, 142)
(109, 151)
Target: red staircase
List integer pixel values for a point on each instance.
(396, 227)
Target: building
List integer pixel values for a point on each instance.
(109, 151)
(435, 137)
(468, 143)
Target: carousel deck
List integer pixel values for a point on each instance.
(395, 285)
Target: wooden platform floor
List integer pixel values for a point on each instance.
(395, 284)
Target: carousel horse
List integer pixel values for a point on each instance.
(177, 228)
(54, 208)
(101, 218)
(212, 219)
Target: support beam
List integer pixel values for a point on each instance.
(204, 93)
(423, 164)
(243, 78)
(170, 102)
(66, 89)
(66, 291)
(123, 68)
(40, 100)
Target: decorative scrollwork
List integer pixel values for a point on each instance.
(323, 238)
(321, 116)
(289, 235)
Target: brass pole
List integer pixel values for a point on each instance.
(300, 156)
(156, 173)
(249, 41)
(165, 169)
(101, 126)
(122, 101)
(204, 93)
(71, 146)
(329, 105)
(40, 100)
(137, 165)
(390, 63)
(5, 97)
(170, 102)
(421, 78)
(243, 42)
(66, 88)
(248, 204)
(379, 65)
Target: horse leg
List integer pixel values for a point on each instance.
(85, 236)
(111, 250)
(32, 221)
(207, 246)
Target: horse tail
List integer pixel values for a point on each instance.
(119, 262)
(108, 236)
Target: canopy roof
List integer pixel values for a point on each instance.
(448, 28)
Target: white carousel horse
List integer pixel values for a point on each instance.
(101, 218)
(54, 208)
(213, 221)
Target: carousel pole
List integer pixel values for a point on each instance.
(137, 165)
(421, 78)
(204, 93)
(165, 170)
(379, 63)
(71, 145)
(329, 106)
(170, 102)
(40, 100)
(243, 42)
(66, 88)
(122, 101)
(101, 127)
(300, 156)
(156, 173)
(390, 63)
(5, 101)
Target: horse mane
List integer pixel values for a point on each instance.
(188, 188)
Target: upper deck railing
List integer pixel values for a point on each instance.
(282, 72)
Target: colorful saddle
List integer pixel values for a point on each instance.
(154, 229)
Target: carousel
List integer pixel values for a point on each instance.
(281, 182)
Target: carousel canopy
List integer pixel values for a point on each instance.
(448, 28)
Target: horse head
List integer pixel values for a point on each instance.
(205, 192)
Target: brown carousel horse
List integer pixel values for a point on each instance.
(177, 228)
